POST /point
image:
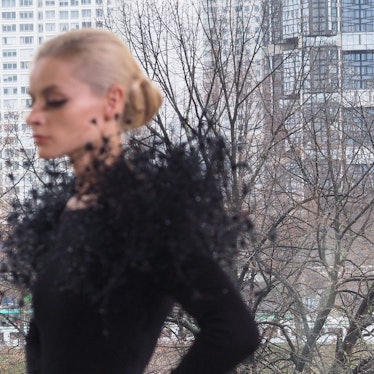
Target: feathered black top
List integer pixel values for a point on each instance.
(103, 278)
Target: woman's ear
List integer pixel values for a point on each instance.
(114, 102)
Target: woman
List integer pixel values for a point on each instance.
(106, 258)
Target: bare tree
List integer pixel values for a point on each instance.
(301, 164)
(299, 161)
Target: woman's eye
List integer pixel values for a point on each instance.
(55, 103)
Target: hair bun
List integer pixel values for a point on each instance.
(144, 100)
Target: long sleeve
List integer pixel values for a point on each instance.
(228, 333)
(33, 349)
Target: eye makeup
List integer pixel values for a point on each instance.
(54, 104)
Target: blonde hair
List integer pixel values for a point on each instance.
(103, 60)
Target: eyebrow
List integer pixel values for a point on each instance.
(46, 91)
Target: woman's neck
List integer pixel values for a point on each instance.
(90, 164)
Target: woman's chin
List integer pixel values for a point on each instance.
(45, 155)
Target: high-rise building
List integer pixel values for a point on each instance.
(25, 24)
(321, 53)
(233, 71)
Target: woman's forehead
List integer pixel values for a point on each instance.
(50, 74)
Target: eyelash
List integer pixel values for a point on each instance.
(56, 103)
(52, 104)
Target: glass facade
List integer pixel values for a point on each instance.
(357, 15)
(323, 86)
(307, 35)
(323, 17)
(358, 70)
(324, 69)
(357, 125)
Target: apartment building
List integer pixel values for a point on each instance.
(325, 51)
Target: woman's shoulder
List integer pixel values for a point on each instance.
(30, 221)
(176, 207)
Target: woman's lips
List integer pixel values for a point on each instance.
(40, 139)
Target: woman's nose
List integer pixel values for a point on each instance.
(34, 118)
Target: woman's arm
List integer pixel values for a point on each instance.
(33, 352)
(228, 333)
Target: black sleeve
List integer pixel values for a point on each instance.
(228, 333)
(33, 349)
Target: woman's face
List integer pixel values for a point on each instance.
(65, 115)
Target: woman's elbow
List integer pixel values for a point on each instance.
(246, 339)
(247, 344)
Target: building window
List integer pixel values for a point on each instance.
(357, 15)
(10, 90)
(25, 2)
(64, 14)
(323, 17)
(74, 2)
(8, 15)
(324, 69)
(9, 28)
(25, 64)
(64, 3)
(85, 2)
(9, 65)
(8, 3)
(74, 14)
(86, 24)
(356, 128)
(9, 53)
(27, 103)
(50, 27)
(50, 14)
(290, 83)
(26, 15)
(9, 40)
(86, 12)
(26, 27)
(358, 70)
(27, 39)
(10, 78)
(50, 2)
(64, 27)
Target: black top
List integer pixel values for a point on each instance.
(103, 279)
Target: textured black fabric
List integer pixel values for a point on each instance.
(104, 278)
(70, 335)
